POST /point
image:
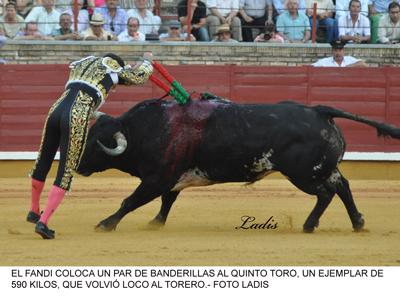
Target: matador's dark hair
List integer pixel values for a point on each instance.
(116, 57)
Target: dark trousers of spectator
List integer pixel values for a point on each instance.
(201, 34)
(331, 27)
(247, 32)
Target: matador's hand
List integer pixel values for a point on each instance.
(148, 56)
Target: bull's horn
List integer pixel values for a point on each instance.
(121, 145)
(97, 114)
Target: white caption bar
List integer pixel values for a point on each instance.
(199, 282)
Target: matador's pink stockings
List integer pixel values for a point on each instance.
(56, 195)
(37, 188)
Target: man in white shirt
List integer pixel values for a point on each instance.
(149, 23)
(224, 12)
(377, 9)
(132, 33)
(389, 25)
(46, 17)
(342, 8)
(338, 59)
(354, 27)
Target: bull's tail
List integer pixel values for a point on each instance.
(382, 128)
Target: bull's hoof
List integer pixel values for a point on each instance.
(101, 228)
(155, 224)
(308, 229)
(106, 225)
(358, 225)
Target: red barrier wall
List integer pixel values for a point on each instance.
(27, 92)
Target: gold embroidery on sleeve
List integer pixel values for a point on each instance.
(138, 75)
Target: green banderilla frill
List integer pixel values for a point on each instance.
(179, 93)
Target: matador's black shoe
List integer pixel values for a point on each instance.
(33, 217)
(44, 231)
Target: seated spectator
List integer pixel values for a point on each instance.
(224, 34)
(175, 34)
(254, 14)
(96, 31)
(24, 7)
(115, 18)
(389, 25)
(270, 35)
(342, 8)
(31, 32)
(11, 23)
(354, 27)
(224, 12)
(338, 59)
(325, 11)
(132, 34)
(149, 23)
(45, 16)
(293, 25)
(83, 17)
(198, 19)
(377, 8)
(65, 31)
(280, 7)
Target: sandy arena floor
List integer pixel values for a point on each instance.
(201, 227)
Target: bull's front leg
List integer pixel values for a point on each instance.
(143, 194)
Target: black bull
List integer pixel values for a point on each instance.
(172, 147)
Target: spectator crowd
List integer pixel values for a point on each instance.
(277, 21)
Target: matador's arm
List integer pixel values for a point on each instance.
(136, 75)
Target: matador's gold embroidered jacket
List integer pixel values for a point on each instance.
(101, 73)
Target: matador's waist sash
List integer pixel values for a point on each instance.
(91, 90)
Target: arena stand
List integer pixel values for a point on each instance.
(27, 91)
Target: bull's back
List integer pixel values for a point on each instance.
(246, 141)
(257, 125)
